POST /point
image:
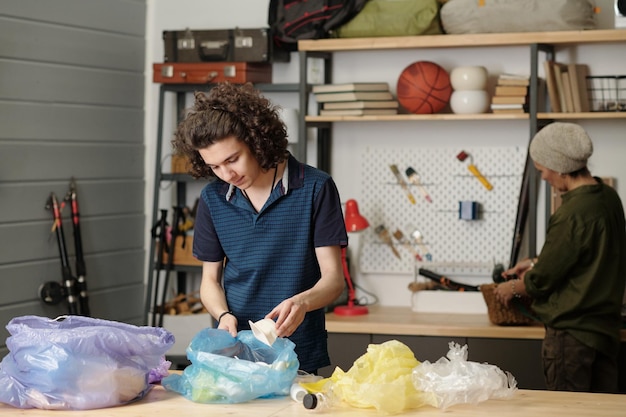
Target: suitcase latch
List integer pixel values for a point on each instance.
(167, 71)
(244, 42)
(186, 42)
(230, 71)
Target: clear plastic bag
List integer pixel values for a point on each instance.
(225, 369)
(76, 362)
(455, 380)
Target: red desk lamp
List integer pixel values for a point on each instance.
(354, 223)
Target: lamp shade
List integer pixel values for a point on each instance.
(354, 221)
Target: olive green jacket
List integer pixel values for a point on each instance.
(578, 282)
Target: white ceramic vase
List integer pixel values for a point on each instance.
(469, 78)
(469, 101)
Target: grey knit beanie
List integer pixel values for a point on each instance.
(561, 147)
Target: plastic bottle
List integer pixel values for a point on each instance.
(297, 392)
(317, 401)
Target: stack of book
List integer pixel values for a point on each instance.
(567, 87)
(355, 99)
(511, 94)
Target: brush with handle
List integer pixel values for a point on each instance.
(385, 236)
(405, 187)
(414, 179)
(407, 244)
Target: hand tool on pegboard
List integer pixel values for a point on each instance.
(405, 187)
(414, 178)
(407, 244)
(462, 156)
(385, 236)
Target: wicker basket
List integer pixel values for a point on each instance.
(504, 315)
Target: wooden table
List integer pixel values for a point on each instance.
(403, 321)
(524, 403)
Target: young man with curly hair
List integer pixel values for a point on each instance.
(269, 229)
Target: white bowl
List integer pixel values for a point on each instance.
(469, 78)
(469, 101)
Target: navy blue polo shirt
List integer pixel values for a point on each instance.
(271, 254)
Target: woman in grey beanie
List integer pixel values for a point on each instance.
(577, 282)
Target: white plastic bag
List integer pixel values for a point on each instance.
(455, 380)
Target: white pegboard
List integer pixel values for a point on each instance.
(456, 246)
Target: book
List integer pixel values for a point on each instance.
(553, 94)
(506, 106)
(353, 96)
(508, 99)
(511, 90)
(337, 88)
(567, 90)
(508, 111)
(575, 91)
(513, 79)
(578, 82)
(558, 77)
(582, 71)
(360, 104)
(357, 112)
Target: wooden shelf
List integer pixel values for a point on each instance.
(590, 115)
(466, 40)
(415, 117)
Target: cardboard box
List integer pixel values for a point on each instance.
(183, 252)
(180, 164)
(449, 302)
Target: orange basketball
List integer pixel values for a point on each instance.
(424, 88)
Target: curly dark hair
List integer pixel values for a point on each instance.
(231, 110)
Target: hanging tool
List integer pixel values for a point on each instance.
(396, 172)
(462, 156)
(50, 292)
(175, 231)
(447, 282)
(384, 235)
(81, 272)
(407, 244)
(418, 238)
(414, 179)
(159, 233)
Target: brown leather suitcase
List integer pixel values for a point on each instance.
(233, 45)
(211, 72)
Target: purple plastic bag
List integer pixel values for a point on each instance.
(76, 362)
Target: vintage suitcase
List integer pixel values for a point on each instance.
(212, 72)
(234, 45)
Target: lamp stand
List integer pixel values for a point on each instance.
(350, 309)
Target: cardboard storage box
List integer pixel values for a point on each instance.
(183, 252)
(180, 164)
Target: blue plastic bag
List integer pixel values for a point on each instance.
(225, 369)
(77, 362)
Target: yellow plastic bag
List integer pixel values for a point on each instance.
(379, 379)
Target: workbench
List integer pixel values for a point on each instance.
(523, 404)
(516, 349)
